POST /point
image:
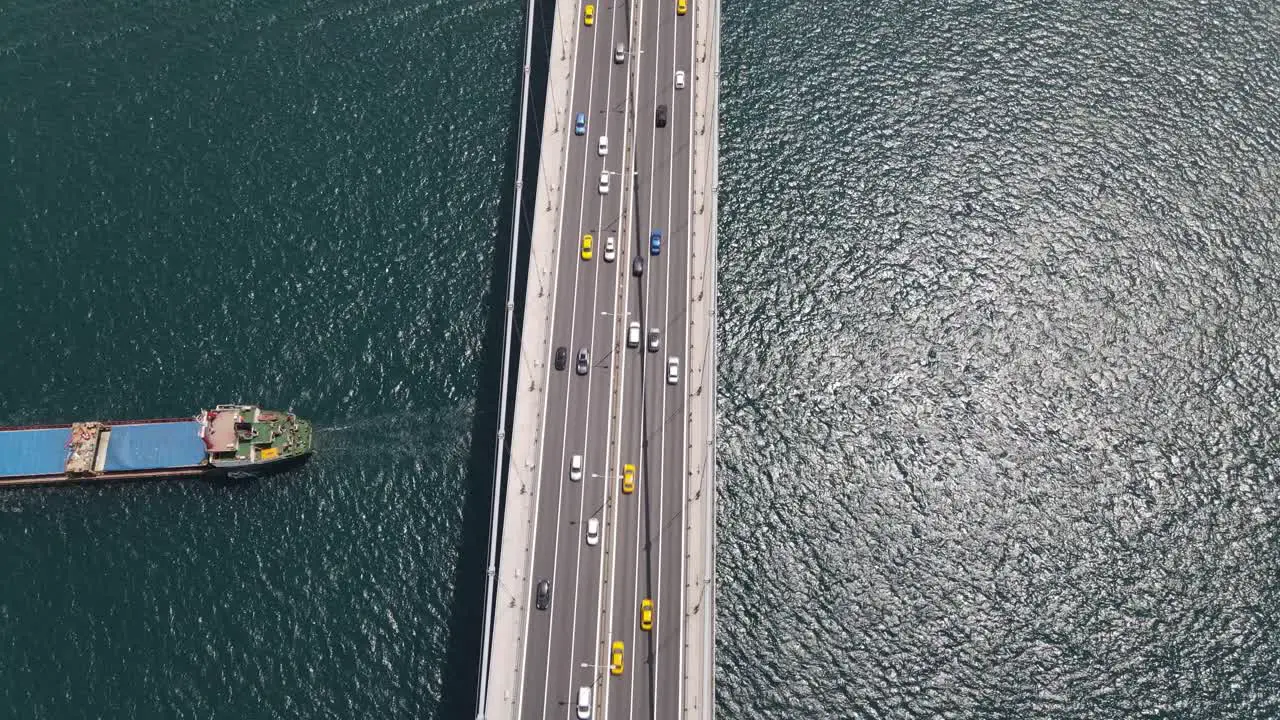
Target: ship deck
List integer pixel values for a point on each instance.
(39, 451)
(124, 448)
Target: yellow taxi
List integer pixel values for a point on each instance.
(615, 664)
(628, 478)
(682, 7)
(586, 246)
(589, 14)
(646, 614)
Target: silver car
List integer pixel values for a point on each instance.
(544, 594)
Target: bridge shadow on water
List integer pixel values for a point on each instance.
(460, 673)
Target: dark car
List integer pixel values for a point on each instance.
(661, 118)
(544, 594)
(637, 266)
(655, 242)
(655, 339)
(562, 357)
(584, 361)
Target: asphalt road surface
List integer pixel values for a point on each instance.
(596, 591)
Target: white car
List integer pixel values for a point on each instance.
(610, 249)
(575, 468)
(673, 370)
(633, 334)
(593, 532)
(604, 182)
(679, 81)
(602, 148)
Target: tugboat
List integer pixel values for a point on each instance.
(229, 441)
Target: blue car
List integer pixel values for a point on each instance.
(580, 124)
(655, 242)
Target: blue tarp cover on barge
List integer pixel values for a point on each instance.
(154, 446)
(33, 452)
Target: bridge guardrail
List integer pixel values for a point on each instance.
(500, 438)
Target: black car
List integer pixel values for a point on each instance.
(544, 594)
(562, 357)
(661, 117)
(584, 361)
(637, 266)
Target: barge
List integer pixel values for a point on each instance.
(229, 441)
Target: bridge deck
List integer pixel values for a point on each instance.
(656, 543)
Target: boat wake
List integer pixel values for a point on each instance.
(398, 434)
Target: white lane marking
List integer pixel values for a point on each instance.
(557, 239)
(666, 390)
(649, 475)
(612, 479)
(646, 476)
(639, 246)
(595, 296)
(564, 447)
(636, 57)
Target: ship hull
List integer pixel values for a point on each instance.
(203, 472)
(259, 469)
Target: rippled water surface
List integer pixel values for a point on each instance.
(999, 390)
(286, 203)
(998, 366)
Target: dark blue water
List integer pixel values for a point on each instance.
(999, 386)
(289, 204)
(999, 381)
